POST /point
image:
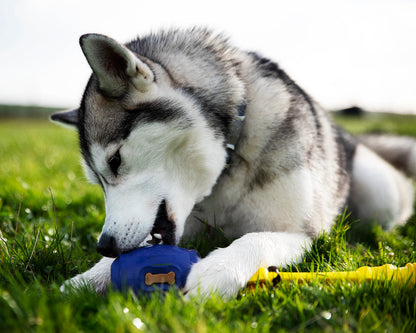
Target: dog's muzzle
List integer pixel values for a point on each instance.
(163, 231)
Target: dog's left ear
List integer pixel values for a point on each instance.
(115, 65)
(68, 117)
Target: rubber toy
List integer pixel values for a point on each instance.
(270, 276)
(160, 267)
(151, 268)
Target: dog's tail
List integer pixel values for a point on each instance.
(400, 151)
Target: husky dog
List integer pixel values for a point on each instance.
(180, 125)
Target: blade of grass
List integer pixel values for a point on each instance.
(34, 247)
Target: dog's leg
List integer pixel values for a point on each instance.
(98, 277)
(227, 270)
(379, 192)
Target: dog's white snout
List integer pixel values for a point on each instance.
(130, 214)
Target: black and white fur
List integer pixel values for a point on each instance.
(154, 125)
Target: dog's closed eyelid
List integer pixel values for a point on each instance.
(114, 162)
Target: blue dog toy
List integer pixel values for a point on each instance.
(151, 268)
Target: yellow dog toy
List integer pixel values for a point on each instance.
(271, 276)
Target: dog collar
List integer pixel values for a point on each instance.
(235, 131)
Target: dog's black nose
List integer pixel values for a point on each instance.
(107, 246)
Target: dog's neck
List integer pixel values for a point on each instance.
(235, 131)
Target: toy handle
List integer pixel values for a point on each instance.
(405, 274)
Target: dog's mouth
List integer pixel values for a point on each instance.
(163, 231)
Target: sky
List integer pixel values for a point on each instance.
(342, 52)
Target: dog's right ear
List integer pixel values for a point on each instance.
(115, 65)
(68, 117)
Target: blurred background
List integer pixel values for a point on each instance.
(343, 53)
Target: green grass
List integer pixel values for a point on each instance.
(25, 111)
(51, 217)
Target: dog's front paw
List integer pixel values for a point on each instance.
(77, 282)
(98, 277)
(217, 273)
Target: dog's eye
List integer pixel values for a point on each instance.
(114, 162)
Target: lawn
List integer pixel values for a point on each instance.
(50, 218)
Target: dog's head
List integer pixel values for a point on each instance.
(146, 142)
